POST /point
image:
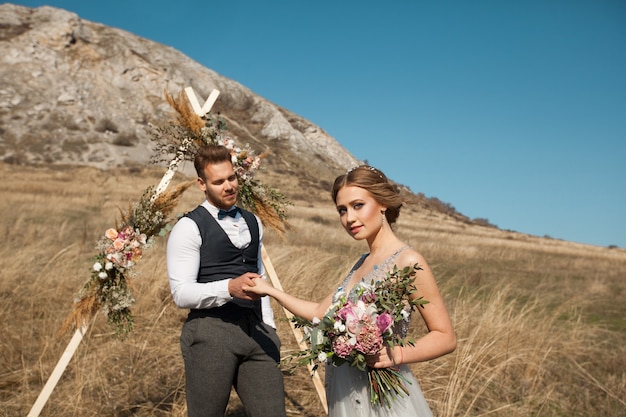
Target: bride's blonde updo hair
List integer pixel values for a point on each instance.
(374, 181)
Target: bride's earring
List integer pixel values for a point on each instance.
(383, 213)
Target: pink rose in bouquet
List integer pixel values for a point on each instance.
(384, 321)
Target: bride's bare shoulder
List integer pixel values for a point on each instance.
(410, 257)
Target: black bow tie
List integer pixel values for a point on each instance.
(223, 213)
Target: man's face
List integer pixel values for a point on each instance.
(221, 185)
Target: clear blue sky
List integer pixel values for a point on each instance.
(513, 111)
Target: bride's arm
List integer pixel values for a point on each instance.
(440, 339)
(301, 308)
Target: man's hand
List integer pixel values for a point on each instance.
(236, 286)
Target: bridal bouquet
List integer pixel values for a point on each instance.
(360, 323)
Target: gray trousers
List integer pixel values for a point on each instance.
(222, 353)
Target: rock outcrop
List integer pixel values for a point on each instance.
(78, 92)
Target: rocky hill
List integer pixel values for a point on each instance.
(78, 92)
(82, 93)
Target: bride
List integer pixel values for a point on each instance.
(368, 204)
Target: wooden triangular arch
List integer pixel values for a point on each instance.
(77, 338)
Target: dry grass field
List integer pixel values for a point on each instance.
(541, 323)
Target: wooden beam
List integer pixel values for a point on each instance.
(297, 333)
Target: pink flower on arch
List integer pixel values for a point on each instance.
(111, 234)
(118, 244)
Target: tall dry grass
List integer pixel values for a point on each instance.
(541, 323)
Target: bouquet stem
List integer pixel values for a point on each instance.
(385, 385)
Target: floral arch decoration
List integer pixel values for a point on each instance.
(109, 286)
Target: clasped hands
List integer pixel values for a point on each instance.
(252, 286)
(248, 286)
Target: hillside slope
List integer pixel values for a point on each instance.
(83, 93)
(540, 322)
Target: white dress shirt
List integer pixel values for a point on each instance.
(183, 263)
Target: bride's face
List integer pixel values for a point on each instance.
(359, 212)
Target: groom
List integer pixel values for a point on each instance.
(229, 338)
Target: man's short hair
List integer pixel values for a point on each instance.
(210, 154)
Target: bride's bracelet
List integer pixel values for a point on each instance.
(401, 356)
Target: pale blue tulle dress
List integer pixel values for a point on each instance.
(347, 388)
